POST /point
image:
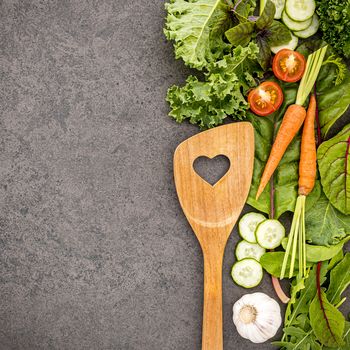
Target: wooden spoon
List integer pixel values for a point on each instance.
(212, 211)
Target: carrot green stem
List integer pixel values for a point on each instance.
(313, 66)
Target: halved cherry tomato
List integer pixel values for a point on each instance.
(288, 65)
(266, 98)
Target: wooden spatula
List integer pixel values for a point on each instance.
(212, 211)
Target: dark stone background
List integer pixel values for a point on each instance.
(95, 251)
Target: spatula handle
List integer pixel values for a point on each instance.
(212, 338)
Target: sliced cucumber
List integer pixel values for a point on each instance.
(300, 10)
(311, 30)
(279, 4)
(245, 249)
(247, 273)
(294, 25)
(291, 45)
(269, 234)
(248, 224)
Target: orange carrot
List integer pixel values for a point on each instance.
(291, 123)
(307, 164)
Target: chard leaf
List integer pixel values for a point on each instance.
(279, 34)
(285, 178)
(325, 225)
(346, 338)
(339, 280)
(240, 34)
(266, 18)
(326, 321)
(197, 28)
(333, 158)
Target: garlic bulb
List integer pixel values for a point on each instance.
(257, 317)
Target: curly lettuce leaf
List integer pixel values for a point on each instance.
(334, 18)
(197, 28)
(333, 158)
(207, 103)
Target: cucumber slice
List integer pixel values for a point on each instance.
(291, 45)
(294, 25)
(269, 234)
(300, 10)
(245, 249)
(248, 224)
(247, 273)
(279, 4)
(311, 30)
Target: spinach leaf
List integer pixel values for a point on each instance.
(339, 280)
(333, 98)
(197, 28)
(315, 253)
(325, 224)
(334, 164)
(272, 263)
(326, 321)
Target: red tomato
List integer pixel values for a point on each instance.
(266, 98)
(288, 65)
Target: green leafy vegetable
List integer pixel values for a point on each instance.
(326, 321)
(315, 253)
(302, 292)
(340, 67)
(336, 259)
(346, 338)
(334, 23)
(333, 158)
(339, 280)
(299, 339)
(207, 103)
(265, 32)
(272, 263)
(332, 99)
(325, 224)
(197, 28)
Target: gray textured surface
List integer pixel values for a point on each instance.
(95, 252)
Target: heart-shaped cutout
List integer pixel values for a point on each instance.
(211, 169)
